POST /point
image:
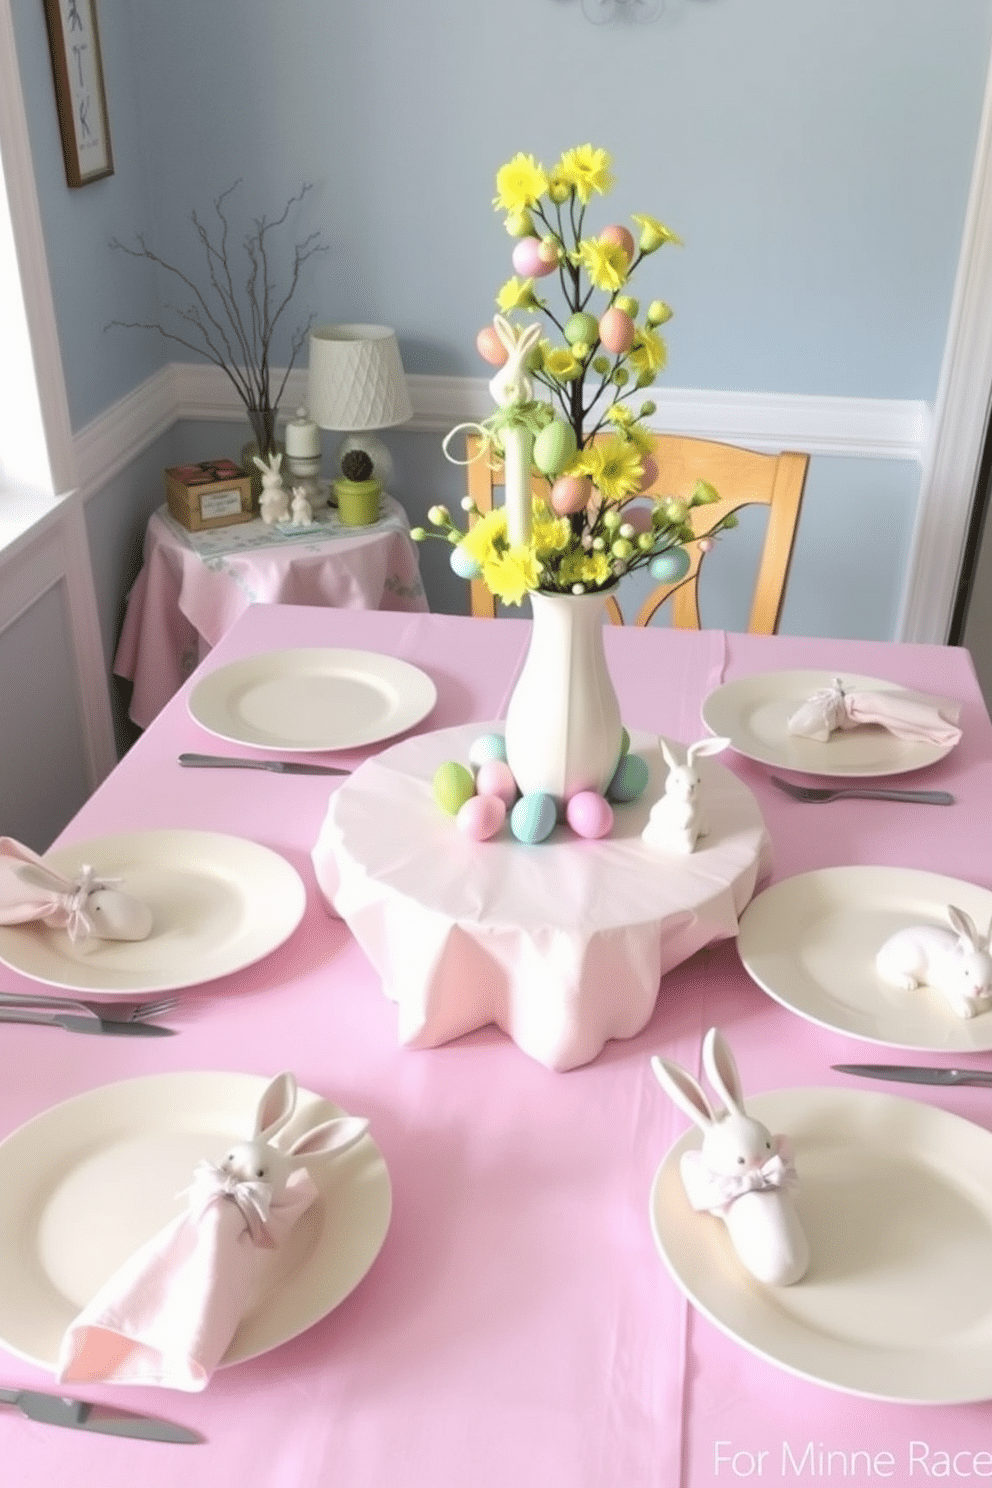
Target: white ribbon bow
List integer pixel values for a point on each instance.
(709, 1190)
(252, 1197)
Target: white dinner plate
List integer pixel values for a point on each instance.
(312, 699)
(90, 1180)
(218, 904)
(896, 1203)
(753, 713)
(810, 943)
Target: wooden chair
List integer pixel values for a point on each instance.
(743, 478)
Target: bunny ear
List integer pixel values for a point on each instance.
(276, 1106)
(261, 464)
(529, 337)
(504, 331)
(704, 747)
(668, 756)
(721, 1070)
(965, 926)
(331, 1137)
(685, 1090)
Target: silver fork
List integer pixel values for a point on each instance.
(113, 1012)
(860, 793)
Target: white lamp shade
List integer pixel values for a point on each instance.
(356, 378)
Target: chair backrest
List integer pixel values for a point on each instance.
(743, 477)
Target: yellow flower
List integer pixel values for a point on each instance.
(561, 364)
(649, 353)
(654, 233)
(605, 263)
(550, 534)
(588, 461)
(585, 568)
(511, 575)
(517, 294)
(519, 184)
(481, 539)
(586, 170)
(620, 471)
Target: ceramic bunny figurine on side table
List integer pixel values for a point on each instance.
(742, 1173)
(677, 821)
(954, 962)
(273, 502)
(301, 512)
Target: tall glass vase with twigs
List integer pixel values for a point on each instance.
(232, 317)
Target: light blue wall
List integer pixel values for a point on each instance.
(815, 157)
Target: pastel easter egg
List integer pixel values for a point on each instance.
(589, 814)
(533, 817)
(490, 347)
(495, 778)
(480, 817)
(570, 493)
(650, 467)
(624, 741)
(452, 786)
(621, 236)
(463, 564)
(528, 259)
(486, 747)
(669, 566)
(581, 327)
(630, 779)
(616, 331)
(639, 516)
(554, 446)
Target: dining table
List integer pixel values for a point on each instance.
(518, 1325)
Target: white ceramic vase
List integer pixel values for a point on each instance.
(563, 727)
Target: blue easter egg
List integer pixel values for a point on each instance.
(630, 779)
(669, 567)
(485, 748)
(463, 564)
(533, 817)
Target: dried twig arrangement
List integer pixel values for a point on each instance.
(230, 322)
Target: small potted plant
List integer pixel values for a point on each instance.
(356, 490)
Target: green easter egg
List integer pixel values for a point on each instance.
(554, 447)
(582, 327)
(452, 785)
(630, 779)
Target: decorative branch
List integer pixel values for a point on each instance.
(230, 325)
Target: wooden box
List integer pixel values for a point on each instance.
(214, 493)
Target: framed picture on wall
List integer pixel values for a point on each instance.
(74, 42)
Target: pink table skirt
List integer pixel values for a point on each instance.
(518, 1326)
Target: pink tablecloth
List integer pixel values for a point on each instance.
(517, 1327)
(194, 585)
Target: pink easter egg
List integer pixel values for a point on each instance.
(490, 347)
(616, 331)
(638, 516)
(650, 472)
(481, 817)
(495, 778)
(570, 493)
(621, 236)
(528, 260)
(589, 815)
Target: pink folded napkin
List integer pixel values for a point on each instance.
(167, 1316)
(87, 907)
(906, 715)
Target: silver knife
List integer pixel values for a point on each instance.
(61, 1410)
(85, 1023)
(281, 767)
(917, 1074)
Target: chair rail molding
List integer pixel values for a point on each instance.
(874, 428)
(961, 418)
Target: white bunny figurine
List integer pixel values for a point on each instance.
(956, 962)
(259, 1160)
(742, 1173)
(512, 385)
(676, 821)
(301, 513)
(273, 502)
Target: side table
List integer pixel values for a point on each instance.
(194, 585)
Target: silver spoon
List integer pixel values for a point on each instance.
(860, 793)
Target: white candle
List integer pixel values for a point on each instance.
(517, 445)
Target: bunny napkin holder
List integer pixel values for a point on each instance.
(741, 1173)
(955, 962)
(677, 820)
(87, 907)
(168, 1315)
